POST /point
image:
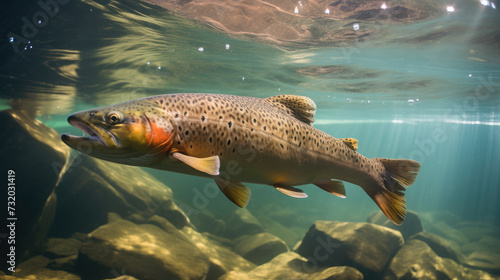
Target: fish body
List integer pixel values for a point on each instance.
(235, 139)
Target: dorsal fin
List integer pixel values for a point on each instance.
(351, 143)
(301, 107)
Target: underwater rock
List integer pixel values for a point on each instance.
(431, 218)
(291, 265)
(205, 221)
(242, 222)
(36, 268)
(449, 233)
(412, 224)
(91, 188)
(440, 246)
(123, 277)
(222, 259)
(366, 247)
(34, 152)
(416, 260)
(291, 235)
(475, 231)
(307, 23)
(487, 243)
(65, 263)
(485, 260)
(143, 251)
(259, 248)
(62, 247)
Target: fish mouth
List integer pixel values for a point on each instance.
(97, 137)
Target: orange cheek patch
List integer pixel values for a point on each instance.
(161, 140)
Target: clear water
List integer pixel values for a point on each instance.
(434, 100)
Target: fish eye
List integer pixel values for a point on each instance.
(113, 117)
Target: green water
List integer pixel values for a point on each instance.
(435, 101)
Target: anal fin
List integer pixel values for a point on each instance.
(209, 165)
(290, 191)
(238, 193)
(334, 187)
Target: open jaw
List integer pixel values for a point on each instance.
(95, 137)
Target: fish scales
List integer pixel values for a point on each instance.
(235, 139)
(207, 125)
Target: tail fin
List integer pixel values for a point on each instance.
(399, 174)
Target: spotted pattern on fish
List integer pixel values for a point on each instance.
(206, 134)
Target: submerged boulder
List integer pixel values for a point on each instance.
(440, 246)
(416, 260)
(449, 233)
(291, 265)
(412, 224)
(92, 188)
(431, 218)
(143, 251)
(484, 260)
(37, 268)
(259, 248)
(222, 259)
(243, 222)
(62, 247)
(366, 247)
(291, 235)
(37, 158)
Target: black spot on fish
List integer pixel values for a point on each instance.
(230, 123)
(203, 118)
(187, 132)
(210, 139)
(229, 142)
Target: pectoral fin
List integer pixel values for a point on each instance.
(334, 187)
(238, 193)
(290, 191)
(351, 143)
(209, 165)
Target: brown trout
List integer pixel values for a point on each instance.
(235, 139)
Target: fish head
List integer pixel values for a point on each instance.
(134, 132)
